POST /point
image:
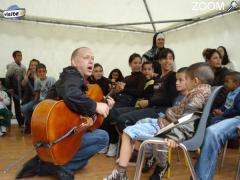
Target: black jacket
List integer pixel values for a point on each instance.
(71, 88)
(103, 83)
(134, 84)
(164, 91)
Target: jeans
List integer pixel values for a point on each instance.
(27, 110)
(215, 137)
(92, 142)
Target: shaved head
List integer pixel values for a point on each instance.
(83, 60)
(76, 52)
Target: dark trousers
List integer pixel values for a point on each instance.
(7, 115)
(122, 100)
(18, 113)
(128, 116)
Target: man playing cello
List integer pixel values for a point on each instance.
(71, 89)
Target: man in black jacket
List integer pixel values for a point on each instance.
(71, 88)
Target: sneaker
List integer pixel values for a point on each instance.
(116, 176)
(4, 129)
(1, 134)
(149, 162)
(112, 150)
(159, 172)
(104, 150)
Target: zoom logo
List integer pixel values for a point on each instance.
(207, 6)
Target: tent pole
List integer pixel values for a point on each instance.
(150, 15)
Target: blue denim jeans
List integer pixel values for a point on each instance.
(92, 142)
(215, 137)
(27, 110)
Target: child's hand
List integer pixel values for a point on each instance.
(143, 103)
(171, 143)
(1, 99)
(162, 122)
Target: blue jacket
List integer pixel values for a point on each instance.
(234, 110)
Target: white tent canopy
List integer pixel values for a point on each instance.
(114, 29)
(121, 14)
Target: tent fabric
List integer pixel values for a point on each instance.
(97, 13)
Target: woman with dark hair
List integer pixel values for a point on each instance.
(28, 91)
(116, 74)
(225, 59)
(213, 58)
(152, 54)
(98, 78)
(28, 81)
(127, 93)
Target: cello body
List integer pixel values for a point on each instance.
(51, 120)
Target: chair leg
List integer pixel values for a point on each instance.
(169, 162)
(178, 155)
(238, 170)
(189, 161)
(141, 154)
(223, 156)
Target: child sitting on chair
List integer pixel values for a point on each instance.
(198, 78)
(4, 112)
(231, 106)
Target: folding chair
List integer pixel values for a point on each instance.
(189, 145)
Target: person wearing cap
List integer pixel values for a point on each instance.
(152, 54)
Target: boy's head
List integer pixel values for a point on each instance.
(181, 80)
(232, 80)
(17, 56)
(147, 69)
(199, 73)
(41, 71)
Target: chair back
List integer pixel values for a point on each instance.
(196, 141)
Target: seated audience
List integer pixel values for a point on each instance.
(41, 87)
(215, 137)
(182, 92)
(28, 82)
(98, 78)
(164, 93)
(4, 112)
(213, 58)
(198, 78)
(225, 59)
(232, 104)
(127, 93)
(147, 70)
(116, 76)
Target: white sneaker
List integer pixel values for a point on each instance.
(104, 150)
(112, 150)
(4, 129)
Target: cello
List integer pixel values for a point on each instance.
(57, 131)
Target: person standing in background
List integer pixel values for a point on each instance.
(152, 54)
(14, 77)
